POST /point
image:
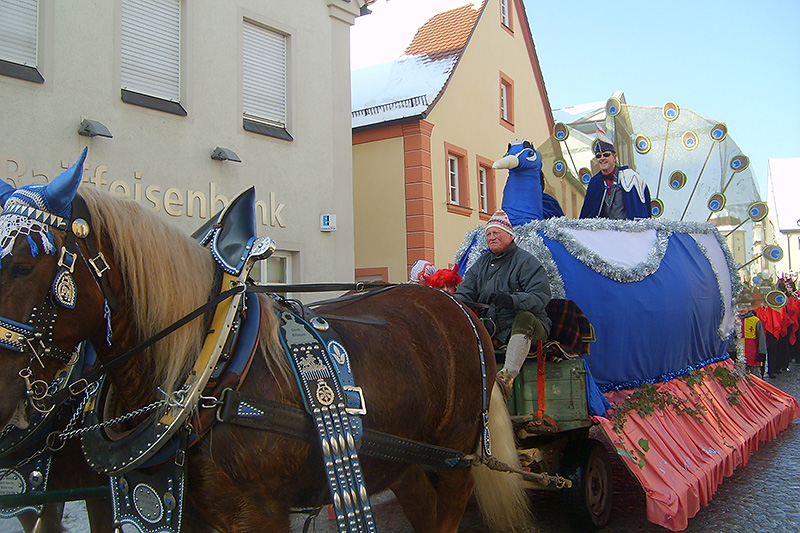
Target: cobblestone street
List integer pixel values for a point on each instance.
(763, 495)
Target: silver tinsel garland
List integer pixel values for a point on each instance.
(528, 238)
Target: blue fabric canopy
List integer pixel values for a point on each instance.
(653, 329)
(658, 293)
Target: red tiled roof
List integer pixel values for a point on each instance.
(444, 34)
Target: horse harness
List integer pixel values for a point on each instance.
(147, 466)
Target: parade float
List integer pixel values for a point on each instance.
(661, 371)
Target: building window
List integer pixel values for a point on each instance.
(505, 14)
(506, 102)
(483, 190)
(457, 184)
(264, 80)
(19, 40)
(487, 202)
(150, 54)
(452, 179)
(274, 270)
(372, 275)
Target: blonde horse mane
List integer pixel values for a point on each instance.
(168, 275)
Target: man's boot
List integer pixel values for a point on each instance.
(518, 347)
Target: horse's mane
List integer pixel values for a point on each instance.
(166, 273)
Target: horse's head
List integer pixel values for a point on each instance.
(47, 293)
(521, 156)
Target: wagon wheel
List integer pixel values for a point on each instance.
(588, 503)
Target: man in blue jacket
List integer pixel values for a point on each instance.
(615, 192)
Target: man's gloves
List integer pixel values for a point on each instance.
(502, 300)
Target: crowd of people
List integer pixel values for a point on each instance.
(771, 334)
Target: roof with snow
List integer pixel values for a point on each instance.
(420, 45)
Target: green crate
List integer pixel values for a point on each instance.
(565, 392)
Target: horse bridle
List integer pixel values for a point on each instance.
(36, 336)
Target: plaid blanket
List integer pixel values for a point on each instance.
(571, 329)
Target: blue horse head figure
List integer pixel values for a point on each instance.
(522, 195)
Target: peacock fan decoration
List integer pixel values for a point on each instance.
(692, 166)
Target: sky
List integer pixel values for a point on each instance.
(733, 61)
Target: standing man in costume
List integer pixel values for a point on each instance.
(515, 286)
(755, 341)
(615, 192)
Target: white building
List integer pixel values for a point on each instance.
(268, 81)
(783, 196)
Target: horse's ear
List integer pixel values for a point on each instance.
(60, 192)
(6, 190)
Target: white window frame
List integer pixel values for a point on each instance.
(483, 189)
(504, 114)
(453, 179)
(505, 18)
(150, 49)
(264, 74)
(262, 266)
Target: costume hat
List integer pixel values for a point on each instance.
(602, 146)
(500, 220)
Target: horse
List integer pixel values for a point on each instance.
(70, 471)
(415, 353)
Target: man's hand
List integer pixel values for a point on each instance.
(502, 300)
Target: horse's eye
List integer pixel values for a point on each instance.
(20, 271)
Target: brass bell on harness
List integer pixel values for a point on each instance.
(80, 228)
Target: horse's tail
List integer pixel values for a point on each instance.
(501, 496)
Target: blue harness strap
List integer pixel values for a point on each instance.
(320, 368)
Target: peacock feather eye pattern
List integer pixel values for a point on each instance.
(613, 106)
(740, 162)
(775, 299)
(560, 131)
(586, 175)
(718, 132)
(670, 111)
(717, 202)
(677, 180)
(758, 211)
(689, 140)
(559, 168)
(642, 143)
(772, 252)
(656, 208)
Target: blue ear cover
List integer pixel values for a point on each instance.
(60, 192)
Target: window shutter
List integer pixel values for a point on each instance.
(19, 32)
(151, 48)
(264, 75)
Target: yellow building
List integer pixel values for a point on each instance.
(428, 126)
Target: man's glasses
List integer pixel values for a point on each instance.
(603, 154)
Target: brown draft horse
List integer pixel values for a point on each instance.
(420, 375)
(69, 471)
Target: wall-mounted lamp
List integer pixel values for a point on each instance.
(93, 128)
(224, 154)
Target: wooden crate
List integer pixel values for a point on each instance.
(565, 393)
